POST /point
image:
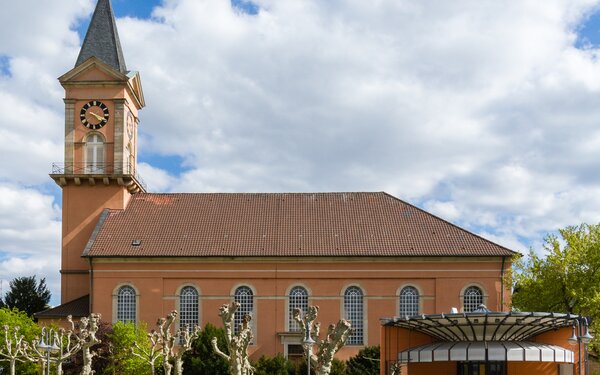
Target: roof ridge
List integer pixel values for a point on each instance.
(269, 193)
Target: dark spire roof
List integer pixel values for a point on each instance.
(102, 39)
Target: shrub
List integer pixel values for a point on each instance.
(366, 362)
(277, 365)
(202, 360)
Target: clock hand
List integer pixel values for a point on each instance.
(96, 116)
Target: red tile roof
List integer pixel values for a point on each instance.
(280, 224)
(79, 307)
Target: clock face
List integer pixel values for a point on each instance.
(129, 125)
(94, 114)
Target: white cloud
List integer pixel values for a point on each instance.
(482, 112)
(30, 231)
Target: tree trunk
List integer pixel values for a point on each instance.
(87, 362)
(178, 366)
(167, 367)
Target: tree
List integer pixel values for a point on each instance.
(27, 295)
(102, 349)
(237, 343)
(567, 279)
(26, 328)
(202, 360)
(334, 340)
(366, 362)
(123, 337)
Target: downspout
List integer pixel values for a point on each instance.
(502, 284)
(91, 285)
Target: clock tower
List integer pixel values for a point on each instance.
(102, 100)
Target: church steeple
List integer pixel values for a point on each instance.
(102, 39)
(102, 100)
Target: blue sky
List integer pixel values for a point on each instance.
(485, 114)
(589, 31)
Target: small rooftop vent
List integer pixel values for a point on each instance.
(136, 242)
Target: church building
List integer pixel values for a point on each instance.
(133, 255)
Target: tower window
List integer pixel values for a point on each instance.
(94, 154)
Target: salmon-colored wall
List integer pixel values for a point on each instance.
(81, 209)
(533, 368)
(271, 279)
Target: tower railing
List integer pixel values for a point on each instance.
(98, 170)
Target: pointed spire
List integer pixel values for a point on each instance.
(102, 39)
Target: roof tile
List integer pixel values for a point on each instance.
(281, 224)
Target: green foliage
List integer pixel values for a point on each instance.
(567, 280)
(27, 295)
(277, 365)
(202, 360)
(366, 362)
(27, 328)
(338, 367)
(122, 339)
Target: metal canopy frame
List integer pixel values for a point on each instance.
(511, 351)
(484, 325)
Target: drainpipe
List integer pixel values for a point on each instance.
(91, 284)
(502, 284)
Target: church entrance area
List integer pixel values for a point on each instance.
(481, 368)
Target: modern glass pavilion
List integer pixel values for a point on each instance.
(485, 343)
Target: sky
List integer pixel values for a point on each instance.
(483, 112)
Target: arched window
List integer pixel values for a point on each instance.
(298, 299)
(472, 298)
(409, 301)
(126, 304)
(188, 308)
(94, 154)
(245, 297)
(353, 311)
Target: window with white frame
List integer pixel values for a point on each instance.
(244, 296)
(94, 154)
(354, 312)
(298, 299)
(472, 298)
(126, 304)
(188, 308)
(409, 301)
